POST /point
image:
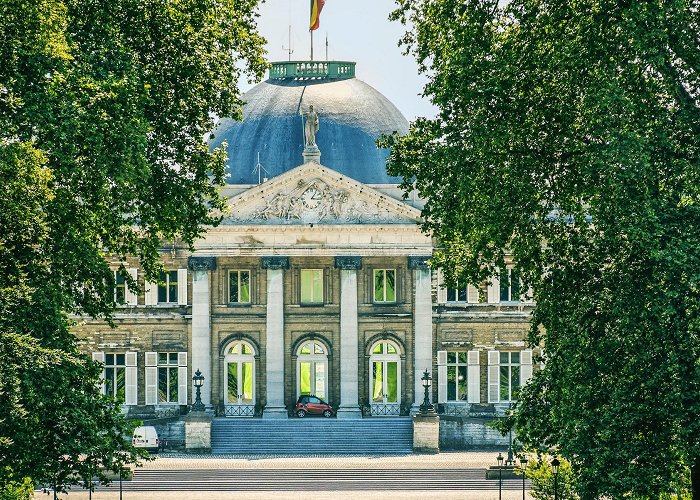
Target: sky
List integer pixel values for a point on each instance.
(358, 30)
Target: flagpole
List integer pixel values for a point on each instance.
(311, 32)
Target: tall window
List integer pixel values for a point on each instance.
(311, 286)
(509, 375)
(510, 286)
(119, 288)
(167, 377)
(167, 288)
(458, 294)
(385, 370)
(457, 376)
(385, 285)
(240, 374)
(239, 287)
(115, 376)
(312, 369)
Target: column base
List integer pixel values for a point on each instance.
(349, 413)
(275, 412)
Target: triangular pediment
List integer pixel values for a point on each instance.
(314, 194)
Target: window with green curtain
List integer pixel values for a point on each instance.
(378, 390)
(232, 382)
(305, 378)
(239, 286)
(311, 286)
(392, 381)
(247, 376)
(385, 285)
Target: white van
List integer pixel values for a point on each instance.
(146, 437)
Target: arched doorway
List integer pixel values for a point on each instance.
(385, 379)
(239, 379)
(312, 369)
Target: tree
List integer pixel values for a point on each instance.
(567, 139)
(104, 109)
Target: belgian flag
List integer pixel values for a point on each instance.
(316, 6)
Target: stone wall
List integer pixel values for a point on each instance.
(468, 433)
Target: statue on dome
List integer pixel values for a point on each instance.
(311, 126)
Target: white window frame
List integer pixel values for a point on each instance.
(237, 274)
(314, 358)
(152, 380)
(239, 358)
(130, 374)
(509, 288)
(383, 300)
(166, 287)
(385, 358)
(494, 373)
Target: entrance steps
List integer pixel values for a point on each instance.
(310, 435)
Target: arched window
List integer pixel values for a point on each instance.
(239, 378)
(385, 378)
(312, 369)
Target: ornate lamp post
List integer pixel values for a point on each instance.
(198, 381)
(555, 469)
(426, 407)
(523, 464)
(499, 460)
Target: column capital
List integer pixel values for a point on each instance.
(201, 263)
(274, 262)
(348, 262)
(418, 262)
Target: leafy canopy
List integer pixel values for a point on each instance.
(104, 110)
(567, 137)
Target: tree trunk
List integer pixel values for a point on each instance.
(695, 479)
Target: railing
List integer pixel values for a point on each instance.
(239, 410)
(308, 70)
(385, 409)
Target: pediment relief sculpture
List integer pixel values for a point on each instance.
(315, 201)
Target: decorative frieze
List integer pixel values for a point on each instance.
(201, 263)
(274, 262)
(418, 261)
(348, 262)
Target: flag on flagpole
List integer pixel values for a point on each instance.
(316, 6)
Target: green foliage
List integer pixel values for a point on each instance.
(17, 490)
(539, 472)
(567, 138)
(104, 108)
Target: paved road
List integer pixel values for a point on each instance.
(312, 480)
(456, 475)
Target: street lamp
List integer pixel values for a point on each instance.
(198, 381)
(499, 459)
(426, 407)
(523, 464)
(555, 469)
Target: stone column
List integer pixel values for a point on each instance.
(349, 362)
(201, 322)
(274, 344)
(422, 326)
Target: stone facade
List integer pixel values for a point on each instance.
(245, 286)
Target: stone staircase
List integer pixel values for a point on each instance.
(311, 436)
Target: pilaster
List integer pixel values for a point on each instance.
(201, 321)
(349, 369)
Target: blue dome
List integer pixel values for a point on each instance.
(352, 116)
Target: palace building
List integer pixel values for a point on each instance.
(315, 282)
